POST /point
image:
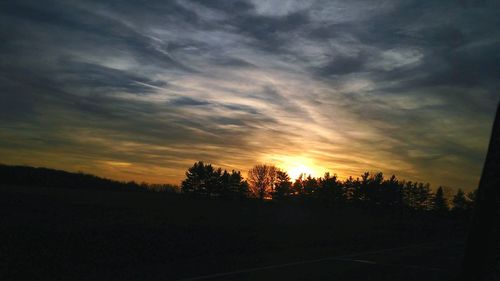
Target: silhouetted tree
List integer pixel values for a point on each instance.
(364, 187)
(233, 185)
(352, 189)
(267, 181)
(30, 176)
(374, 191)
(310, 186)
(161, 187)
(225, 188)
(459, 201)
(408, 188)
(196, 179)
(439, 203)
(417, 195)
(203, 179)
(262, 179)
(423, 197)
(471, 199)
(283, 185)
(298, 186)
(214, 181)
(331, 190)
(391, 192)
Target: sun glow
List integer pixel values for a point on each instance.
(295, 172)
(296, 165)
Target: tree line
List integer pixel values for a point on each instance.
(31, 176)
(264, 182)
(267, 182)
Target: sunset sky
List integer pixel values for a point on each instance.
(140, 90)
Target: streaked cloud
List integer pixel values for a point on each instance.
(142, 90)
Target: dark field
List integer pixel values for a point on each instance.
(77, 234)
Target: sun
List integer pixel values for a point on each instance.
(296, 165)
(295, 171)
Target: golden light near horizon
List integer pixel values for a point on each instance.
(174, 93)
(296, 171)
(297, 165)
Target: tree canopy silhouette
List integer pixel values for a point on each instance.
(440, 204)
(370, 189)
(31, 176)
(262, 180)
(460, 201)
(283, 185)
(203, 179)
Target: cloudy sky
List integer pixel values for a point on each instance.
(142, 89)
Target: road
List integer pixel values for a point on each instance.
(429, 261)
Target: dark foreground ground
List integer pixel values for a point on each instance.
(76, 234)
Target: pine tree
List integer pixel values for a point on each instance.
(310, 186)
(459, 201)
(195, 179)
(331, 189)
(471, 199)
(283, 185)
(440, 203)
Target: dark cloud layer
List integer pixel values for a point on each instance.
(143, 89)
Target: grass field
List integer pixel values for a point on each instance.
(78, 234)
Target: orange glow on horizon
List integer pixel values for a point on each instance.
(297, 165)
(296, 171)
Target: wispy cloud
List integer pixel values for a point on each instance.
(140, 91)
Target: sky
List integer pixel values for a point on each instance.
(140, 90)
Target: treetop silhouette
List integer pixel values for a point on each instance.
(266, 181)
